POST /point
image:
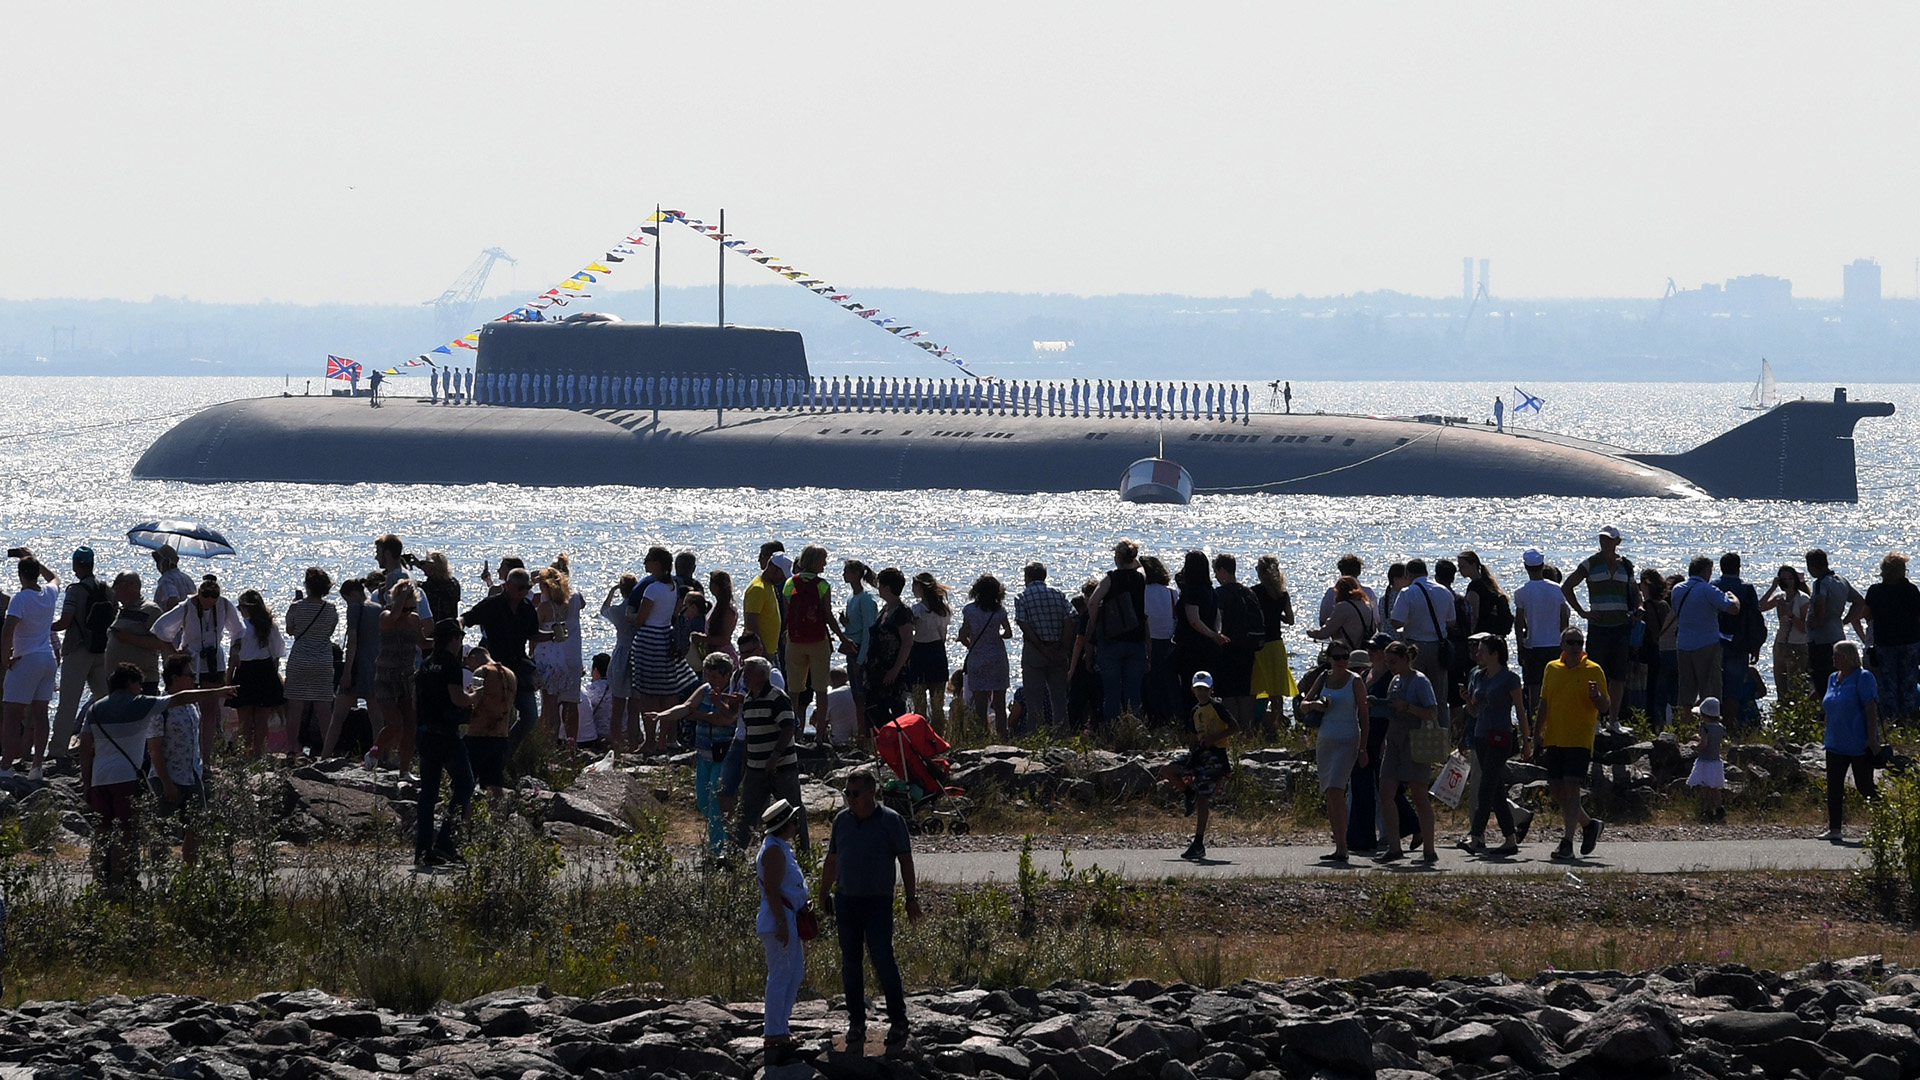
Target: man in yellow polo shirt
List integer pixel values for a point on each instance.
(1573, 691)
(760, 610)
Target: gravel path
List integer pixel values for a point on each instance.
(1641, 857)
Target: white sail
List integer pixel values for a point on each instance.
(1764, 395)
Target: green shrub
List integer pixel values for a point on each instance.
(1893, 844)
(1393, 910)
(1796, 720)
(506, 889)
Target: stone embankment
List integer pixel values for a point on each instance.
(339, 799)
(1851, 1018)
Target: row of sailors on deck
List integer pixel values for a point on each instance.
(1023, 397)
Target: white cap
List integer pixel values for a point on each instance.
(1201, 678)
(780, 559)
(1710, 707)
(1610, 532)
(1532, 557)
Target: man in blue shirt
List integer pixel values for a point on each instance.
(856, 890)
(1697, 606)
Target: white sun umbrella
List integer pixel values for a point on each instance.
(187, 538)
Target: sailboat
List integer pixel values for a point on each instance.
(1764, 395)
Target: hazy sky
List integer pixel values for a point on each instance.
(366, 151)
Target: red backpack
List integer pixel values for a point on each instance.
(806, 609)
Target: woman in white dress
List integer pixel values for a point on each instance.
(620, 665)
(984, 632)
(553, 664)
(311, 685)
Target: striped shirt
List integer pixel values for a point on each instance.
(1609, 592)
(765, 716)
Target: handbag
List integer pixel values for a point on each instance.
(1429, 743)
(806, 922)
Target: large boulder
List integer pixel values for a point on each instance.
(1633, 1032)
(335, 811)
(576, 809)
(996, 772)
(1342, 1044)
(1856, 1038)
(1749, 1028)
(1745, 990)
(1763, 761)
(1125, 780)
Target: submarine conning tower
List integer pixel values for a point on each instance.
(597, 347)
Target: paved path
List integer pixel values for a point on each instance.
(1641, 857)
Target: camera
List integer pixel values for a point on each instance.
(210, 658)
(299, 595)
(18, 553)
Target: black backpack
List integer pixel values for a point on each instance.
(98, 615)
(1117, 616)
(1498, 618)
(1240, 617)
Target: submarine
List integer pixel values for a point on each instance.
(596, 401)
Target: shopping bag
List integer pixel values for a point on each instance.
(1428, 744)
(1451, 786)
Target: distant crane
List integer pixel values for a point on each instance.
(1479, 294)
(453, 309)
(1672, 291)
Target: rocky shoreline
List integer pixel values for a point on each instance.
(1851, 1018)
(337, 799)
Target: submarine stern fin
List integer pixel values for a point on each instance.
(1798, 451)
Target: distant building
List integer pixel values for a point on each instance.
(1754, 294)
(1759, 294)
(1860, 285)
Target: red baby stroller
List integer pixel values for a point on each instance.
(916, 755)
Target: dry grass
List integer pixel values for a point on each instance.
(1459, 947)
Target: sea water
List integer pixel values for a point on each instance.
(68, 446)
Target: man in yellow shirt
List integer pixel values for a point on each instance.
(760, 603)
(1573, 691)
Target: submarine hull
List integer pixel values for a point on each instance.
(1801, 450)
(343, 441)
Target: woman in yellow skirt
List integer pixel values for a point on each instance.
(1272, 675)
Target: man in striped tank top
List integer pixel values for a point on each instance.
(1613, 599)
(772, 767)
